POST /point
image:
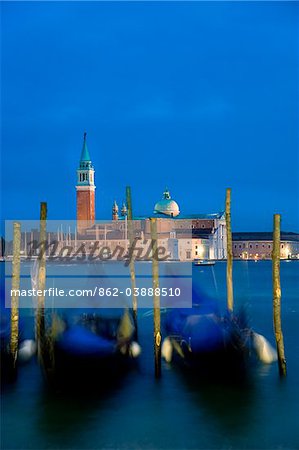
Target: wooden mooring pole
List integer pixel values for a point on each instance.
(157, 314)
(229, 264)
(15, 286)
(40, 314)
(277, 296)
(131, 262)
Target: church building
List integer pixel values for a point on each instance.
(196, 236)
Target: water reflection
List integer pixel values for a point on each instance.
(225, 402)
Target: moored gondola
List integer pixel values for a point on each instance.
(215, 345)
(94, 347)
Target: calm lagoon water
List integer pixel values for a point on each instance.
(174, 412)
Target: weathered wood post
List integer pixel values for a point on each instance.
(15, 286)
(229, 264)
(277, 296)
(131, 262)
(40, 314)
(157, 315)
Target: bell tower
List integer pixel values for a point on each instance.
(85, 190)
(115, 211)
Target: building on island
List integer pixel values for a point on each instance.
(187, 237)
(259, 245)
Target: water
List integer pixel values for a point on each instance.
(175, 412)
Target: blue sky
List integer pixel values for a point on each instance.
(197, 96)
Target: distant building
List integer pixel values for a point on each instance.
(85, 190)
(259, 245)
(186, 237)
(197, 236)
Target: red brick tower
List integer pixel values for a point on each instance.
(85, 191)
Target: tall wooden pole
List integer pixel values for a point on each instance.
(40, 315)
(277, 296)
(157, 316)
(131, 262)
(229, 264)
(15, 286)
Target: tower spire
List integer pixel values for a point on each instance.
(124, 210)
(85, 157)
(115, 211)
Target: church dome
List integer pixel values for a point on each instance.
(167, 206)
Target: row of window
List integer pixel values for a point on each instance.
(251, 256)
(256, 245)
(188, 225)
(202, 226)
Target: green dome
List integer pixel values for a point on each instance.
(167, 206)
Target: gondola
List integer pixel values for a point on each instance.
(94, 347)
(214, 345)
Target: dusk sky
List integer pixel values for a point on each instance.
(194, 96)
